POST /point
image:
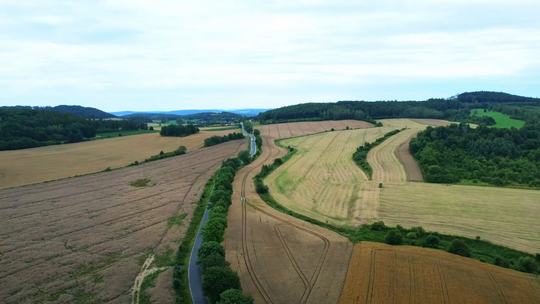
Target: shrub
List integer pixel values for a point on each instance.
(527, 264)
(411, 235)
(420, 232)
(393, 237)
(460, 248)
(380, 185)
(432, 241)
(501, 262)
(234, 296)
(377, 226)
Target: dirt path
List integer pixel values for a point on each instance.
(145, 271)
(414, 174)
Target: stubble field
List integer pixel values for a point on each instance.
(22, 167)
(84, 240)
(380, 273)
(281, 259)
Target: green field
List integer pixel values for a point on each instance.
(122, 133)
(503, 120)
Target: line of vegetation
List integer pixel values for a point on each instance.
(140, 183)
(487, 156)
(216, 139)
(455, 108)
(22, 128)
(220, 283)
(248, 126)
(217, 128)
(416, 236)
(178, 130)
(123, 133)
(360, 156)
(180, 151)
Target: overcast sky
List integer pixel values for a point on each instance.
(175, 54)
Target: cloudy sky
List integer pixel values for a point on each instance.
(176, 54)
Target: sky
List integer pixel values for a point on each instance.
(175, 54)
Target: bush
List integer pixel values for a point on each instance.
(214, 259)
(411, 235)
(501, 262)
(527, 264)
(393, 237)
(420, 232)
(217, 280)
(460, 248)
(234, 296)
(377, 226)
(432, 241)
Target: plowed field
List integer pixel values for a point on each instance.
(83, 240)
(386, 274)
(22, 167)
(281, 259)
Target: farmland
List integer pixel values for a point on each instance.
(321, 182)
(35, 165)
(502, 120)
(84, 240)
(381, 273)
(281, 259)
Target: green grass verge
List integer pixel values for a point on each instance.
(122, 133)
(503, 120)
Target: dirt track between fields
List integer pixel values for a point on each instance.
(281, 259)
(83, 240)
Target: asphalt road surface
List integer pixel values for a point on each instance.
(194, 270)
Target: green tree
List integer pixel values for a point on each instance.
(244, 157)
(215, 259)
(393, 237)
(217, 280)
(214, 229)
(460, 248)
(248, 126)
(181, 150)
(209, 248)
(256, 132)
(234, 296)
(527, 264)
(432, 241)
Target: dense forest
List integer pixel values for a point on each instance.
(216, 117)
(73, 110)
(22, 128)
(459, 153)
(456, 108)
(178, 130)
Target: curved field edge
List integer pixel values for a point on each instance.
(480, 249)
(380, 273)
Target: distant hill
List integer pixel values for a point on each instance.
(86, 112)
(495, 97)
(243, 112)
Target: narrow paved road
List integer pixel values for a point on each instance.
(252, 137)
(194, 270)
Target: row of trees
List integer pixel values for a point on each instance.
(499, 157)
(178, 130)
(215, 140)
(456, 108)
(22, 128)
(360, 155)
(220, 283)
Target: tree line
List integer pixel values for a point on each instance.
(22, 128)
(360, 155)
(456, 108)
(459, 153)
(178, 130)
(216, 139)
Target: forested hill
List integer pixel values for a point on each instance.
(73, 110)
(22, 128)
(456, 108)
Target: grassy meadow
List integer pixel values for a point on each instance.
(503, 120)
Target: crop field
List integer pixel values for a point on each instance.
(85, 239)
(322, 182)
(21, 167)
(502, 120)
(293, 129)
(380, 273)
(281, 259)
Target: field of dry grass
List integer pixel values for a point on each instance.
(281, 259)
(84, 240)
(22, 167)
(380, 273)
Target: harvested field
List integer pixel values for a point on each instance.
(22, 167)
(433, 122)
(414, 174)
(500, 215)
(294, 129)
(380, 273)
(84, 240)
(322, 181)
(281, 259)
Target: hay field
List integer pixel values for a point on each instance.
(322, 181)
(380, 273)
(294, 129)
(22, 167)
(281, 259)
(84, 240)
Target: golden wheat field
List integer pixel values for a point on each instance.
(35, 165)
(322, 182)
(380, 273)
